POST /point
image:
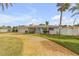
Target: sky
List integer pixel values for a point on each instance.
(34, 13)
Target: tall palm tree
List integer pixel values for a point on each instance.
(62, 7)
(5, 5)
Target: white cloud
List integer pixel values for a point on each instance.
(65, 21)
(5, 18)
(18, 20)
(56, 17)
(36, 20)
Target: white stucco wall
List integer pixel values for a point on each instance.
(65, 31)
(22, 30)
(3, 30)
(39, 31)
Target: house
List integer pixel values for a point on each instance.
(73, 30)
(38, 29)
(50, 29)
(22, 29)
(5, 29)
(43, 29)
(68, 30)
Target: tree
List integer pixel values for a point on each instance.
(62, 7)
(75, 9)
(5, 5)
(47, 23)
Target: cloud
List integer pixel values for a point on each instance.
(56, 17)
(65, 20)
(18, 20)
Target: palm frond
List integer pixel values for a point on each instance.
(59, 4)
(73, 9)
(2, 6)
(75, 14)
(11, 4)
(5, 5)
(63, 6)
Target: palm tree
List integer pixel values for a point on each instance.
(75, 9)
(62, 7)
(47, 23)
(5, 5)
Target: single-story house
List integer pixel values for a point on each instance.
(42, 29)
(65, 30)
(50, 29)
(5, 29)
(22, 29)
(38, 29)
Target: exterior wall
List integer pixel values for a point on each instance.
(4, 30)
(65, 31)
(70, 31)
(22, 30)
(39, 30)
(54, 31)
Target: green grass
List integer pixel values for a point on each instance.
(10, 46)
(70, 42)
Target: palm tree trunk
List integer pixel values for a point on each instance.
(60, 24)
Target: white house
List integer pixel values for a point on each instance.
(22, 29)
(3, 30)
(65, 31)
(41, 29)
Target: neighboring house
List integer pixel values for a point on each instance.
(42, 29)
(45, 30)
(65, 30)
(38, 29)
(22, 29)
(70, 31)
(5, 29)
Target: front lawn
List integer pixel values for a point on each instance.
(10, 46)
(70, 42)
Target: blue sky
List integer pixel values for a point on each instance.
(25, 14)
